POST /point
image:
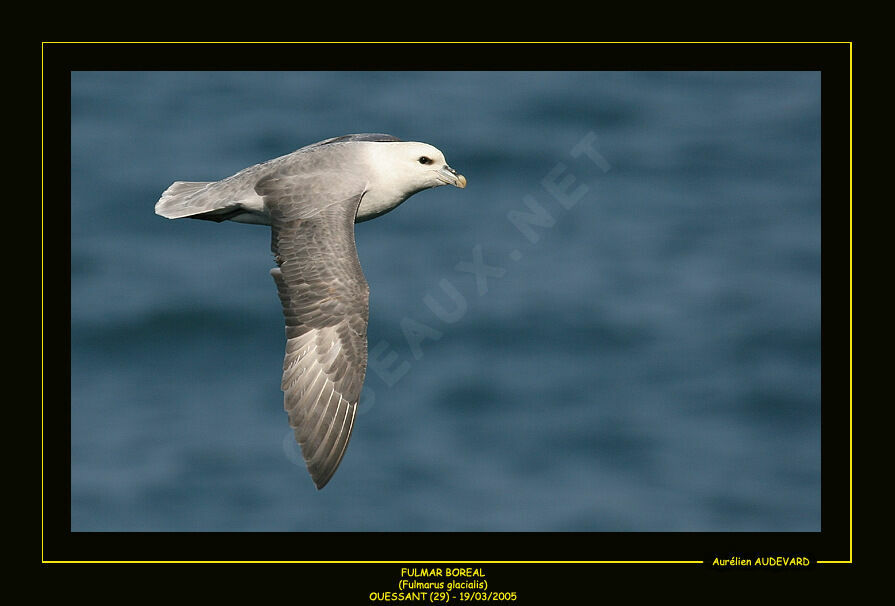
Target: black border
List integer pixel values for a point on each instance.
(832, 543)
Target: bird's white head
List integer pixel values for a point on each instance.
(401, 169)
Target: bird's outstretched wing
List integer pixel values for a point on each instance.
(326, 304)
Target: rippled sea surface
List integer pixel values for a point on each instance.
(637, 350)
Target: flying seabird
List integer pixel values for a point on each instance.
(311, 200)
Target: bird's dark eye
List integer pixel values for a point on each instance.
(425, 160)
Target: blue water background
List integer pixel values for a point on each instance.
(651, 362)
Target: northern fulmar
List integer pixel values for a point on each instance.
(311, 200)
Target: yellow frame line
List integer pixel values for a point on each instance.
(443, 42)
(373, 562)
(850, 327)
(850, 343)
(850, 434)
(41, 301)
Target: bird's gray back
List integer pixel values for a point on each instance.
(369, 137)
(308, 179)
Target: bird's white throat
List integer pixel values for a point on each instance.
(377, 201)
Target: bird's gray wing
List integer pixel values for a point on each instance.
(325, 301)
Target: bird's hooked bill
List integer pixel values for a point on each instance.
(452, 177)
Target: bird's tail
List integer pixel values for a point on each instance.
(184, 199)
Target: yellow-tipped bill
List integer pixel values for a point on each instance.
(452, 177)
